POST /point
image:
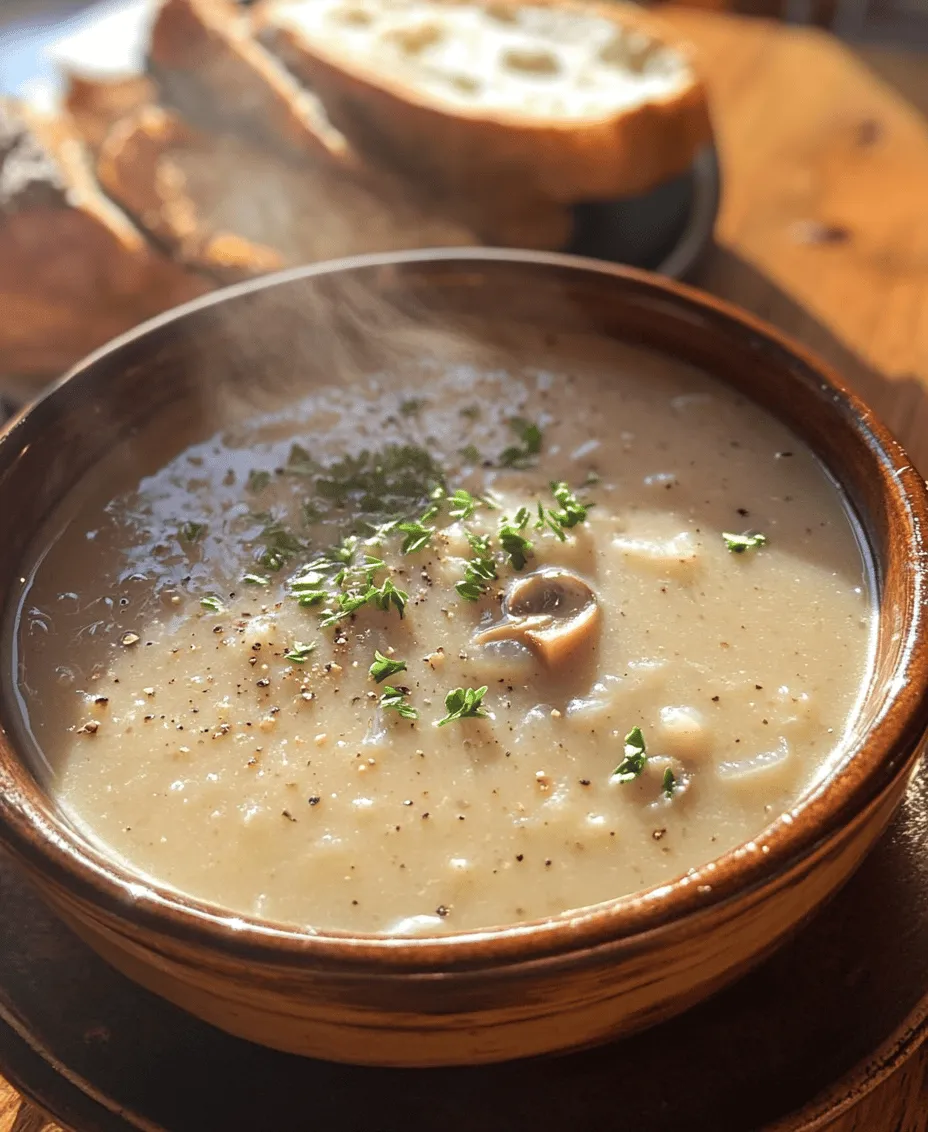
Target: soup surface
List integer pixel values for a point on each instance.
(623, 627)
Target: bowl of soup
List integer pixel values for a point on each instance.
(455, 656)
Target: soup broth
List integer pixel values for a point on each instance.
(447, 646)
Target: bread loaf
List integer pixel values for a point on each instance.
(74, 271)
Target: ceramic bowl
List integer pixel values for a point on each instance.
(535, 987)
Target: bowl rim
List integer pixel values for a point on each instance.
(31, 829)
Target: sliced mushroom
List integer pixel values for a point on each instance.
(553, 612)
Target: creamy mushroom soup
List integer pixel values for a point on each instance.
(450, 646)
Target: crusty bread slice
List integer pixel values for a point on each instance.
(576, 101)
(96, 104)
(74, 271)
(210, 67)
(234, 210)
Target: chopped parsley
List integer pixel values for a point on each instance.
(636, 757)
(738, 544)
(300, 463)
(412, 405)
(383, 667)
(464, 703)
(479, 571)
(569, 514)
(212, 604)
(418, 536)
(461, 505)
(256, 580)
(436, 497)
(668, 783)
(571, 510)
(520, 456)
(394, 699)
(393, 483)
(299, 653)
(192, 532)
(470, 453)
(279, 544)
(515, 545)
(381, 597)
(471, 412)
(258, 481)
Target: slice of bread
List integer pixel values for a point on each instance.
(219, 77)
(74, 271)
(224, 206)
(569, 101)
(97, 104)
(209, 67)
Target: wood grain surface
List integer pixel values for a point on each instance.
(824, 231)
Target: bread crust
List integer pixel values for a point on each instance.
(95, 105)
(211, 68)
(469, 150)
(223, 206)
(74, 271)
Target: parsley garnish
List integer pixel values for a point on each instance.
(436, 497)
(389, 595)
(738, 544)
(669, 783)
(192, 532)
(300, 463)
(307, 586)
(383, 667)
(417, 537)
(569, 514)
(212, 604)
(381, 597)
(521, 456)
(472, 412)
(299, 653)
(256, 580)
(412, 405)
(279, 544)
(393, 483)
(571, 511)
(513, 542)
(635, 759)
(479, 571)
(470, 453)
(394, 699)
(461, 505)
(464, 703)
(258, 481)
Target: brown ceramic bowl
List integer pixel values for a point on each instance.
(510, 991)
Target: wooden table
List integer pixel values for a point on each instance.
(824, 231)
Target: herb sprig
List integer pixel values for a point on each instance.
(521, 456)
(636, 757)
(192, 532)
(515, 545)
(299, 653)
(464, 703)
(384, 667)
(394, 699)
(738, 544)
(479, 571)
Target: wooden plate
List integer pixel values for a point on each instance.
(816, 1027)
